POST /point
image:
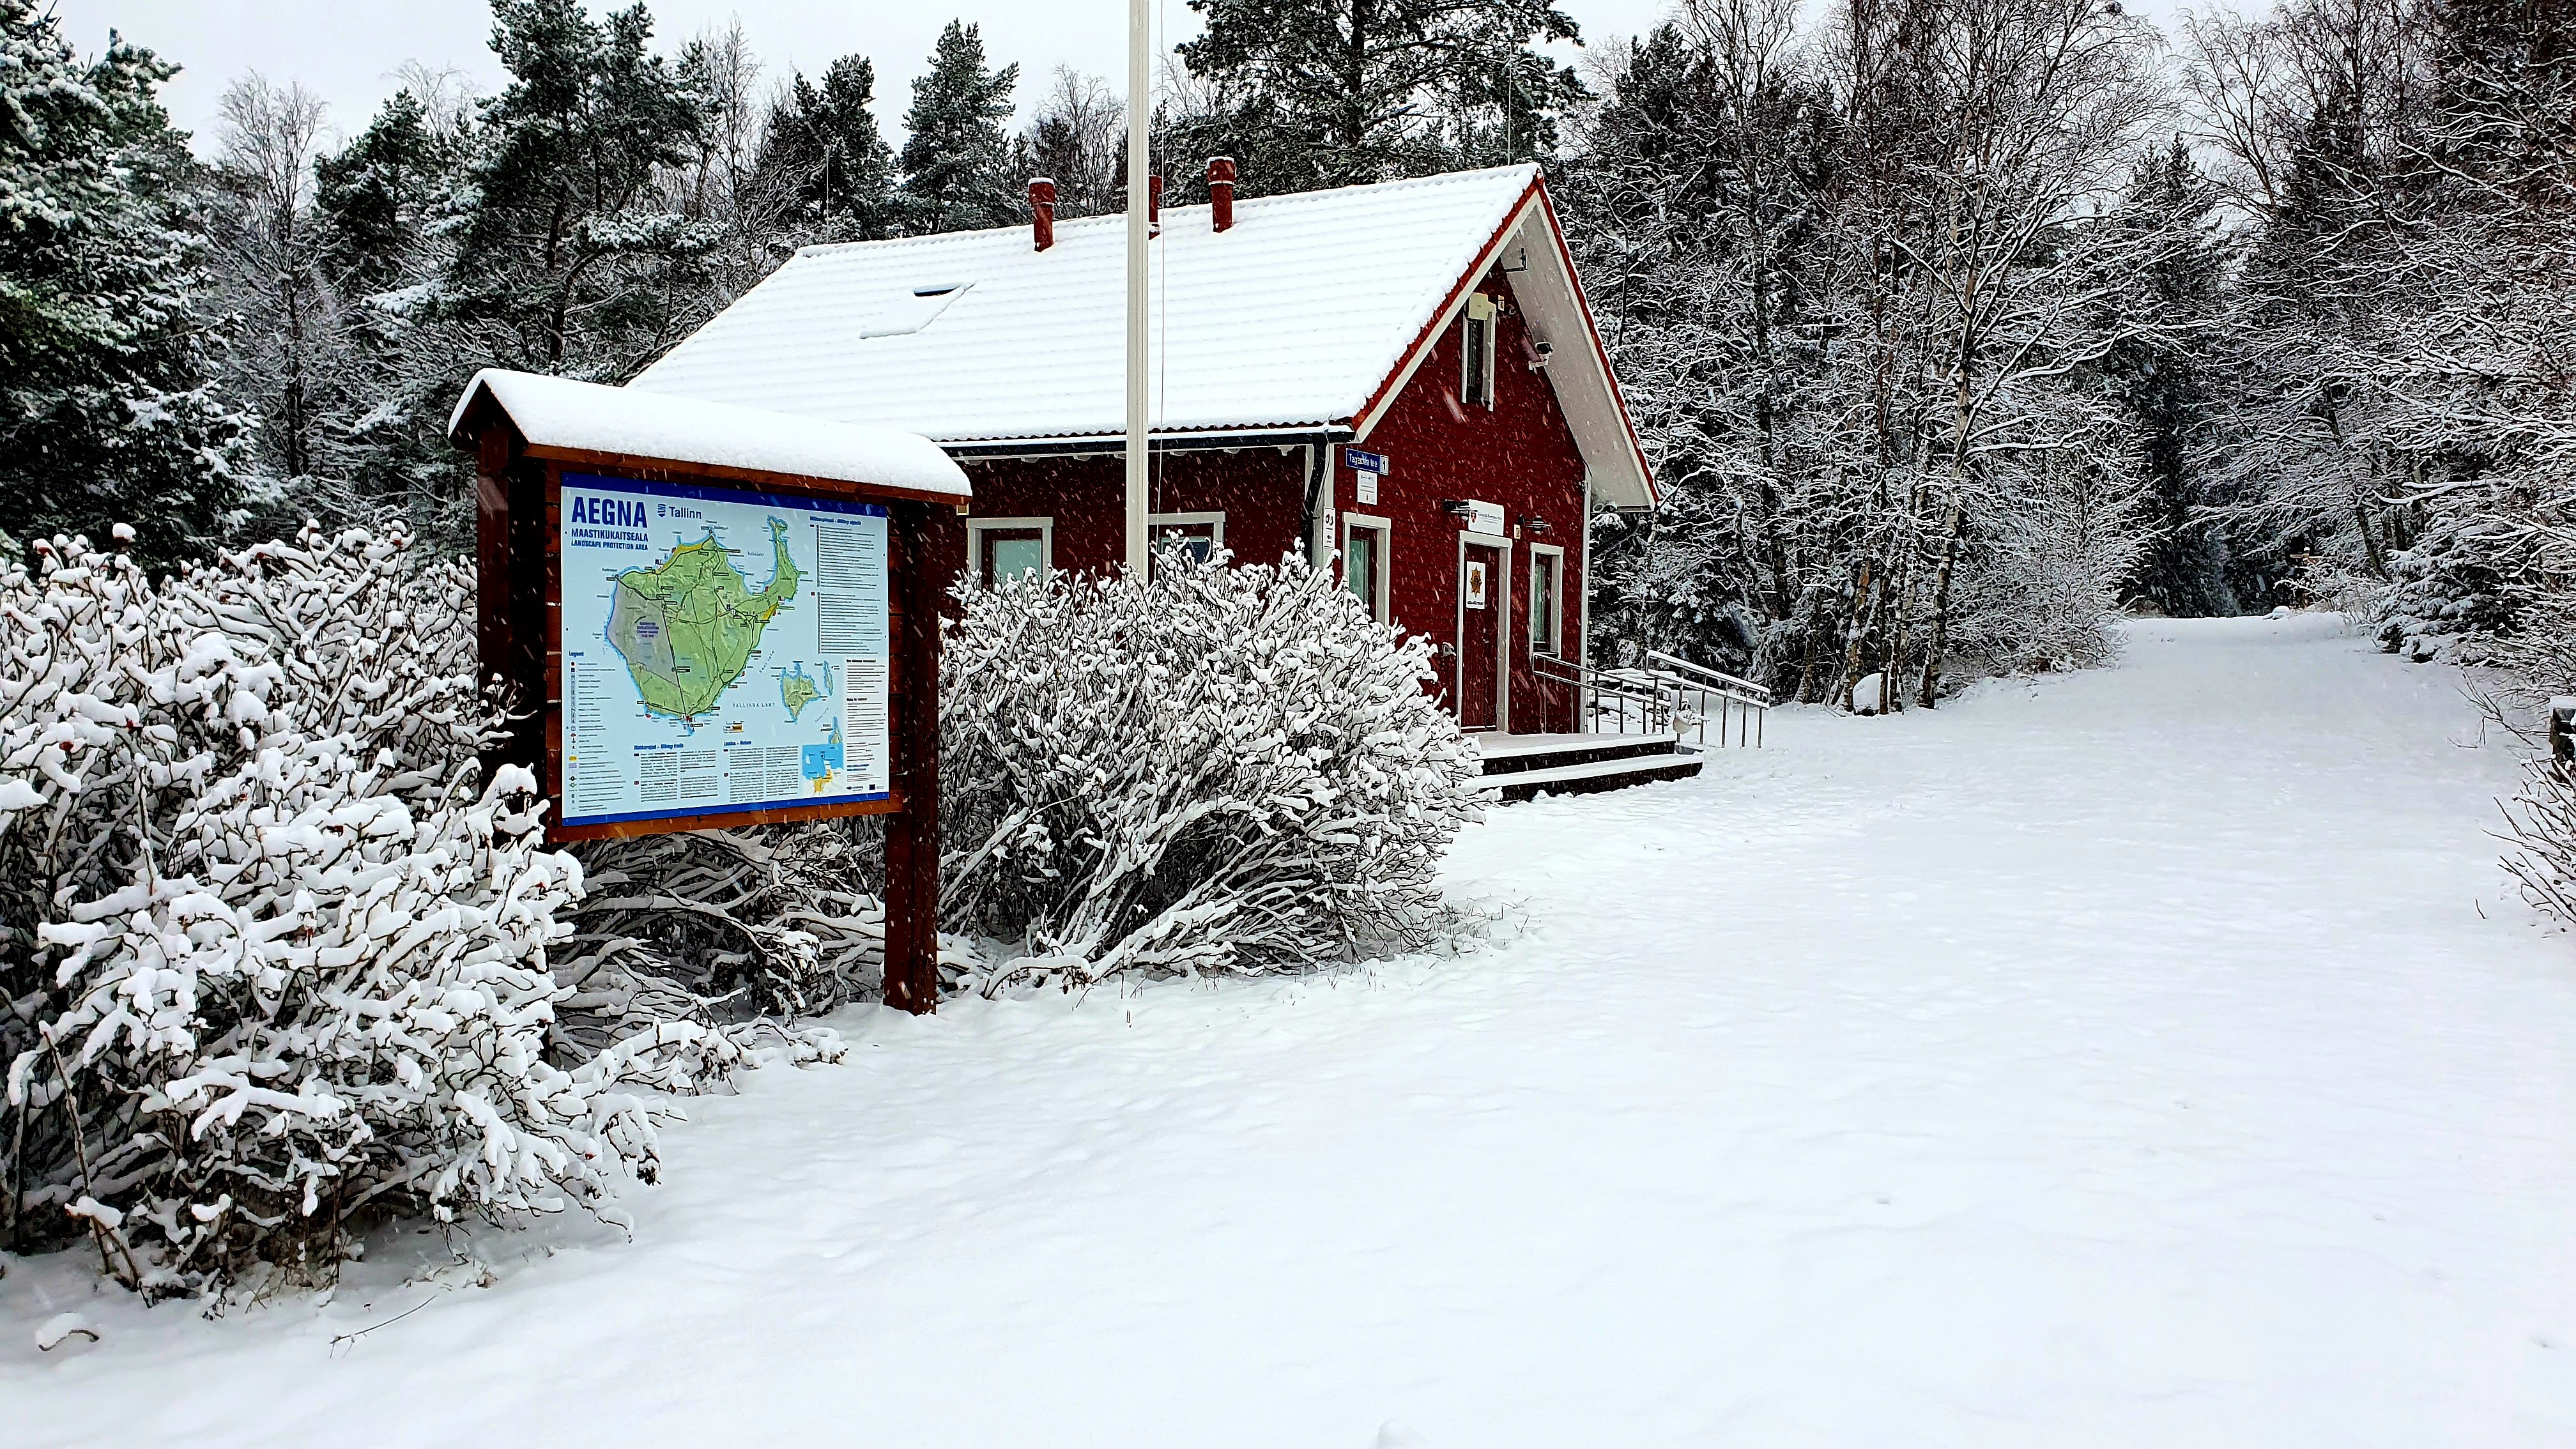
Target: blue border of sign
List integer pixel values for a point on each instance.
(727, 495)
(714, 495)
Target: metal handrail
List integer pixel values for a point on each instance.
(1640, 703)
(1731, 690)
(1661, 700)
(1742, 689)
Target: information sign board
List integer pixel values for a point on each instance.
(724, 651)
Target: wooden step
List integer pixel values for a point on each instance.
(1616, 773)
(1518, 754)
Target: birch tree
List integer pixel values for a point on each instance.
(270, 249)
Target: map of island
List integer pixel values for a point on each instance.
(724, 652)
(824, 761)
(687, 626)
(797, 689)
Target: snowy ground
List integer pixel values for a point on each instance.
(2152, 1056)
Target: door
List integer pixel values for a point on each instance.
(1480, 636)
(1364, 568)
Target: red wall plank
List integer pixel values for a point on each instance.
(1521, 455)
(1261, 492)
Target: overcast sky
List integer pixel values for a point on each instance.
(347, 50)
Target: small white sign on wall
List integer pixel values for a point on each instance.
(1366, 469)
(1483, 517)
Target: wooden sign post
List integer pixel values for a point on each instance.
(694, 645)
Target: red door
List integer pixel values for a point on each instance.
(1480, 636)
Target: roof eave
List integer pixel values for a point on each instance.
(1534, 196)
(486, 406)
(1411, 358)
(1600, 350)
(1266, 435)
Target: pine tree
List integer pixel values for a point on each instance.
(1657, 227)
(957, 159)
(2177, 262)
(823, 158)
(567, 261)
(1335, 92)
(378, 192)
(2306, 432)
(108, 413)
(388, 201)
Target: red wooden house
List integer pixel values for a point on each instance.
(1405, 375)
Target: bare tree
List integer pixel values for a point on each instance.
(1861, 286)
(2040, 105)
(270, 249)
(446, 95)
(1079, 141)
(2233, 77)
(716, 185)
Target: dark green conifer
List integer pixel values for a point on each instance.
(108, 409)
(957, 158)
(823, 160)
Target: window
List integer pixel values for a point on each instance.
(1547, 569)
(1476, 352)
(1200, 534)
(909, 311)
(1002, 548)
(1364, 562)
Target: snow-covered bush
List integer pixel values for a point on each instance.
(2453, 596)
(766, 922)
(2041, 583)
(2540, 829)
(273, 957)
(1207, 769)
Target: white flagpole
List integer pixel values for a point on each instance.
(1140, 100)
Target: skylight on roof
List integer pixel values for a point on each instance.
(903, 315)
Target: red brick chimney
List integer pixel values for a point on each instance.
(1154, 206)
(1042, 210)
(1221, 192)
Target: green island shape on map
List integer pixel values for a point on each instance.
(797, 689)
(687, 626)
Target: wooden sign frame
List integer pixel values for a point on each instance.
(520, 636)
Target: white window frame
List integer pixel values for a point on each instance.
(1384, 528)
(1215, 523)
(1480, 315)
(976, 528)
(1555, 554)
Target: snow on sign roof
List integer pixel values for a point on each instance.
(585, 417)
(1302, 316)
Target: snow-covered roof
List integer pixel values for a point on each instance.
(1307, 314)
(564, 414)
